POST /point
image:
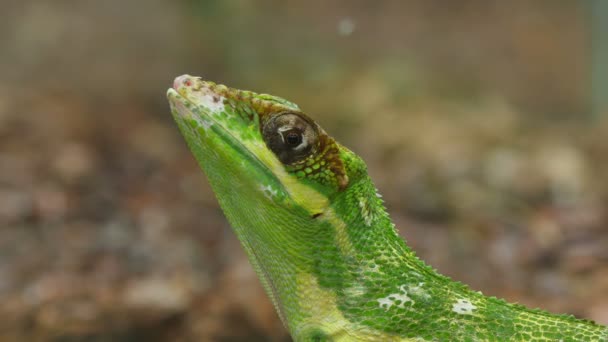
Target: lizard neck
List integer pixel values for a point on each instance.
(368, 284)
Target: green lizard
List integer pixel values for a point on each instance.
(317, 233)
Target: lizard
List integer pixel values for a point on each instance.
(318, 235)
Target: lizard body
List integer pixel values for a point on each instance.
(318, 235)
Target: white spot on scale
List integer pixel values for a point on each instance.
(463, 307)
(418, 291)
(208, 100)
(367, 215)
(390, 300)
(269, 191)
(214, 103)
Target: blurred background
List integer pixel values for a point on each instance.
(483, 123)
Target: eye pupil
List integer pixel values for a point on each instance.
(293, 139)
(291, 136)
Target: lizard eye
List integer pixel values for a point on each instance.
(290, 136)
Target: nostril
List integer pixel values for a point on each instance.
(182, 81)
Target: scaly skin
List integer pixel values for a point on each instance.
(319, 238)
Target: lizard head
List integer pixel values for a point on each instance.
(295, 198)
(266, 138)
(277, 176)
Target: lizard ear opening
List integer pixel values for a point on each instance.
(291, 137)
